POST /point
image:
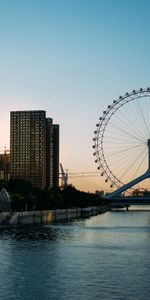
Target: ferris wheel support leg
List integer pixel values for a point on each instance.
(148, 144)
(133, 182)
(128, 185)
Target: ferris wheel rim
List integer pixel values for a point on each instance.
(100, 133)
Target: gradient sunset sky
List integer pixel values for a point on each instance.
(71, 58)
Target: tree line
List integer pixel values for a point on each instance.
(26, 197)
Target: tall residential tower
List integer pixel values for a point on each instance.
(32, 150)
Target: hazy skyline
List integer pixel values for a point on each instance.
(71, 58)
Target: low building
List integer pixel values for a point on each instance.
(5, 166)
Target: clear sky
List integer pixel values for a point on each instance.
(71, 58)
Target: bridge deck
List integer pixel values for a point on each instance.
(129, 201)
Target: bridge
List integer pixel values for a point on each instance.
(122, 202)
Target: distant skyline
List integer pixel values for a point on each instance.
(72, 59)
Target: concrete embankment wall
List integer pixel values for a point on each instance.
(47, 216)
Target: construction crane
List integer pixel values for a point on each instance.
(64, 177)
(4, 151)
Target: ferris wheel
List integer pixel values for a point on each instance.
(122, 140)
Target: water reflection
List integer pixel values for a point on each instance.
(121, 222)
(103, 257)
(35, 233)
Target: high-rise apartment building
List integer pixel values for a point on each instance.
(49, 152)
(55, 155)
(32, 148)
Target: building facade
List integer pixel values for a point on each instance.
(31, 147)
(49, 152)
(55, 155)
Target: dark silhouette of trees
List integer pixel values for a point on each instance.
(26, 197)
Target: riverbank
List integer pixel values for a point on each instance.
(16, 219)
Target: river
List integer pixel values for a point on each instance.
(105, 257)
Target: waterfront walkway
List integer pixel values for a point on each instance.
(48, 216)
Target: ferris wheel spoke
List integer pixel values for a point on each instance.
(131, 114)
(131, 175)
(128, 167)
(126, 176)
(124, 119)
(126, 132)
(121, 156)
(121, 139)
(122, 136)
(122, 151)
(147, 110)
(143, 118)
(121, 146)
(139, 167)
(121, 162)
(122, 165)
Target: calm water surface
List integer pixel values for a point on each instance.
(105, 257)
